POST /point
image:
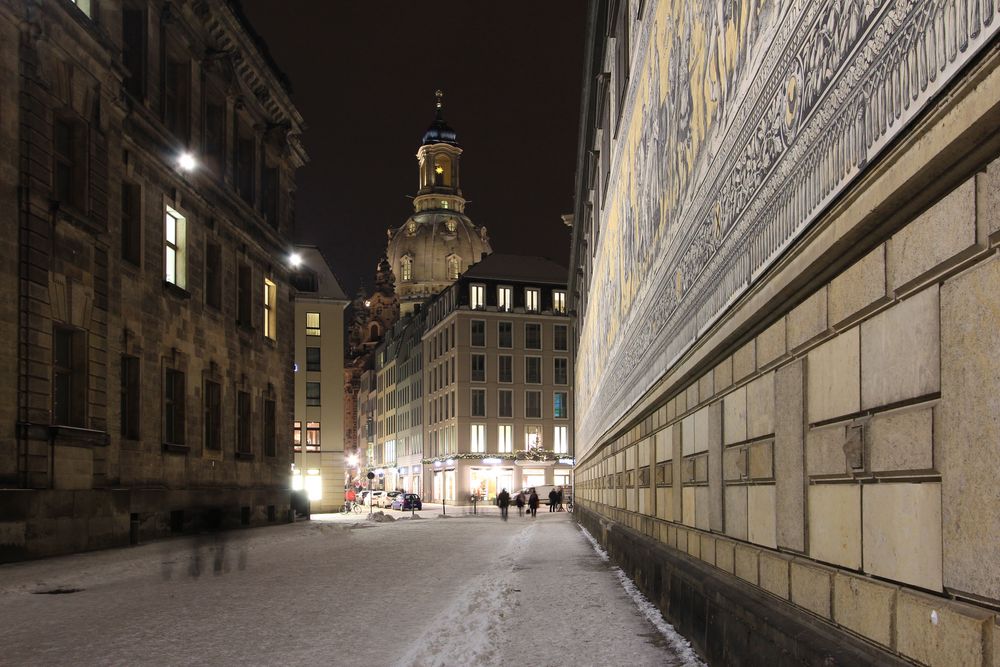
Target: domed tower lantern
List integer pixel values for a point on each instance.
(439, 157)
(438, 242)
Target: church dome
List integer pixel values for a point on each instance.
(431, 249)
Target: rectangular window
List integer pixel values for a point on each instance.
(134, 51)
(478, 403)
(505, 403)
(243, 444)
(505, 438)
(215, 132)
(560, 370)
(532, 437)
(477, 297)
(69, 377)
(312, 393)
(532, 336)
(131, 223)
(269, 188)
(173, 407)
(533, 404)
(558, 301)
(312, 324)
(130, 398)
(506, 334)
(312, 359)
(83, 6)
(533, 370)
(505, 368)
(478, 333)
(531, 299)
(175, 237)
(560, 439)
(621, 54)
(270, 431)
(559, 405)
(243, 163)
(560, 339)
(505, 299)
(479, 368)
(297, 436)
(477, 441)
(177, 98)
(244, 295)
(270, 309)
(213, 275)
(213, 415)
(312, 437)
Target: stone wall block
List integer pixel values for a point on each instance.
(725, 555)
(693, 398)
(762, 460)
(858, 290)
(687, 435)
(736, 512)
(902, 533)
(902, 440)
(734, 463)
(935, 631)
(722, 374)
(734, 418)
(706, 386)
(967, 426)
(760, 406)
(744, 361)
(835, 524)
(789, 461)
(988, 204)
(825, 450)
(746, 563)
(760, 516)
(771, 344)
(774, 573)
(937, 238)
(900, 351)
(702, 509)
(808, 320)
(810, 587)
(834, 385)
(864, 606)
(715, 463)
(708, 549)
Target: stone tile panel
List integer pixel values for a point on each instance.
(825, 450)
(864, 606)
(734, 418)
(771, 344)
(744, 361)
(902, 440)
(760, 516)
(807, 321)
(934, 631)
(774, 574)
(859, 289)
(725, 555)
(810, 587)
(902, 533)
(760, 406)
(723, 374)
(835, 524)
(736, 512)
(762, 460)
(789, 460)
(746, 563)
(833, 377)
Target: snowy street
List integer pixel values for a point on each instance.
(339, 590)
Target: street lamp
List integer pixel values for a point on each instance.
(186, 162)
(295, 259)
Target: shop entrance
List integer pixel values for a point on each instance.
(487, 482)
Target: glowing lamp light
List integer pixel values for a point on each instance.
(295, 259)
(567, 462)
(491, 461)
(450, 462)
(352, 460)
(186, 161)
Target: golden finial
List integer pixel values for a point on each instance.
(439, 94)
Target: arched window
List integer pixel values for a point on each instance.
(442, 171)
(406, 268)
(454, 266)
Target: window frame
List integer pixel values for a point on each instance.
(270, 309)
(477, 296)
(528, 340)
(174, 251)
(536, 362)
(313, 330)
(505, 298)
(535, 394)
(510, 333)
(477, 399)
(532, 299)
(473, 335)
(317, 399)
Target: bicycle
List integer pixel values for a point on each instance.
(350, 507)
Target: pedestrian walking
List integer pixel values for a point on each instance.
(519, 501)
(553, 500)
(533, 503)
(503, 500)
(559, 499)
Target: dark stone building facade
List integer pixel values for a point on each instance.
(148, 159)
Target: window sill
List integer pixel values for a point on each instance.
(174, 448)
(244, 456)
(176, 290)
(79, 435)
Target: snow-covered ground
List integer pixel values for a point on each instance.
(340, 591)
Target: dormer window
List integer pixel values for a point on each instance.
(477, 296)
(531, 299)
(558, 301)
(505, 298)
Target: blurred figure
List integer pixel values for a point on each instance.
(533, 502)
(520, 501)
(503, 500)
(553, 500)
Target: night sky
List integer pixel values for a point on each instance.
(363, 75)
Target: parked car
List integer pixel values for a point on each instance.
(407, 501)
(363, 497)
(376, 499)
(387, 498)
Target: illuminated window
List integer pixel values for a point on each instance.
(560, 439)
(477, 296)
(559, 404)
(174, 228)
(477, 442)
(297, 436)
(505, 438)
(532, 438)
(312, 437)
(505, 300)
(270, 314)
(406, 268)
(531, 299)
(312, 324)
(82, 5)
(558, 301)
(454, 267)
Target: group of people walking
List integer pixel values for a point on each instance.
(528, 499)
